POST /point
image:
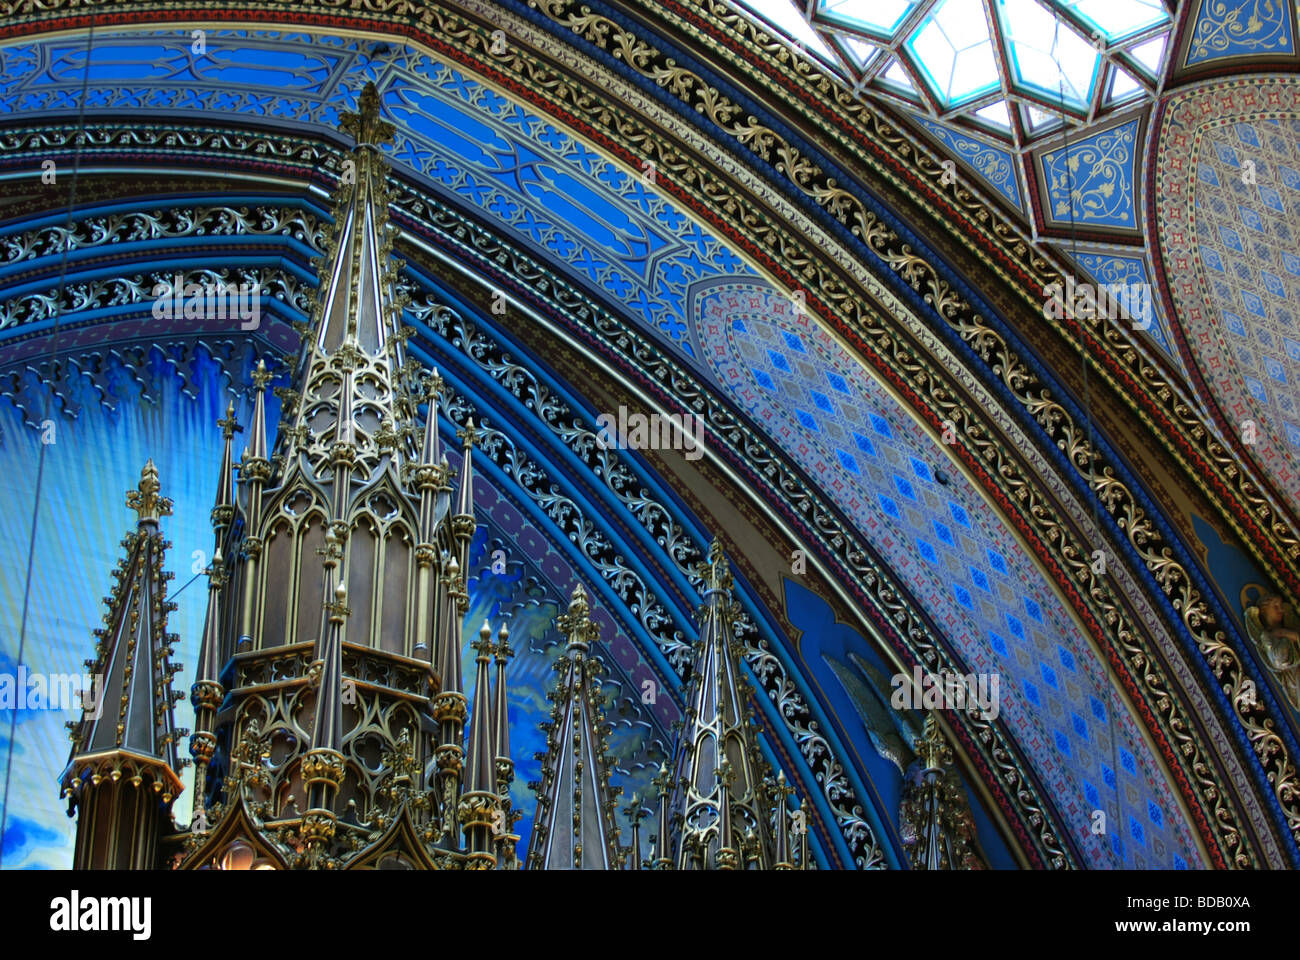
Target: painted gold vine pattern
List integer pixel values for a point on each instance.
(781, 479)
(1237, 480)
(914, 269)
(770, 471)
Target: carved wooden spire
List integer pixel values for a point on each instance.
(352, 399)
(574, 828)
(123, 770)
(719, 791)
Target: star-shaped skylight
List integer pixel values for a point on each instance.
(1017, 70)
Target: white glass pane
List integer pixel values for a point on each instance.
(1150, 53)
(1040, 118)
(1029, 23)
(963, 21)
(785, 15)
(975, 71)
(953, 49)
(862, 52)
(1041, 69)
(1118, 19)
(936, 55)
(1123, 84)
(898, 75)
(1079, 62)
(1047, 54)
(996, 113)
(882, 15)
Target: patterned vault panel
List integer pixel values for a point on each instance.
(970, 575)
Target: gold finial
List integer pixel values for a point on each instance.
(662, 779)
(433, 385)
(469, 434)
(230, 426)
(338, 608)
(145, 500)
(484, 642)
(635, 811)
(576, 624)
(261, 376)
(365, 126)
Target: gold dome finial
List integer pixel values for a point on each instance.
(576, 624)
(145, 500)
(365, 126)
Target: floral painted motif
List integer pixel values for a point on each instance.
(1234, 28)
(1091, 182)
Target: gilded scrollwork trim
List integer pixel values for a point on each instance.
(768, 470)
(993, 349)
(1017, 378)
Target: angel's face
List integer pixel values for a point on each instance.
(1270, 611)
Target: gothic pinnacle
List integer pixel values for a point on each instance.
(145, 500)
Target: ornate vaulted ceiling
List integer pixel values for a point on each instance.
(663, 207)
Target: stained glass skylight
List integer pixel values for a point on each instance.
(784, 14)
(1010, 74)
(896, 74)
(1150, 54)
(1117, 19)
(879, 17)
(996, 113)
(954, 52)
(862, 52)
(1123, 85)
(1047, 57)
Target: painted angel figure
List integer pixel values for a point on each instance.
(1275, 629)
